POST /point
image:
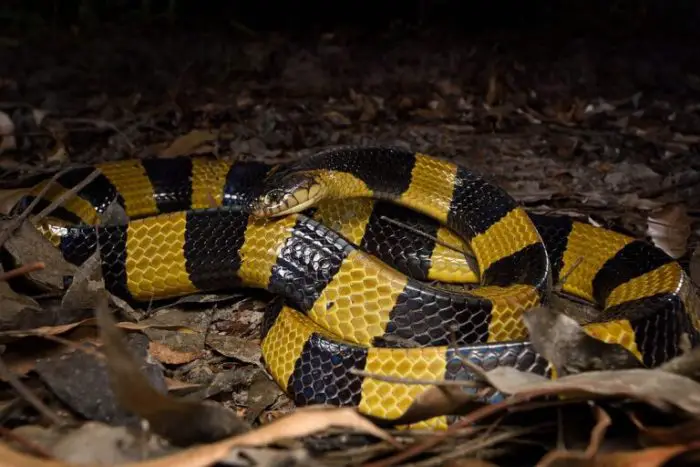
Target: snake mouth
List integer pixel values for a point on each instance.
(279, 202)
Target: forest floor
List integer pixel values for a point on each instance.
(606, 131)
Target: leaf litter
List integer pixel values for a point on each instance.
(615, 152)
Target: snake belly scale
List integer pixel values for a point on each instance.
(343, 307)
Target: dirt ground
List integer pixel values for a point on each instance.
(604, 129)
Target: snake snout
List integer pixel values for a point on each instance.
(288, 197)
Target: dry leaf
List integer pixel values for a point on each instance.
(563, 343)
(304, 422)
(182, 422)
(190, 143)
(27, 245)
(169, 356)
(7, 132)
(669, 229)
(337, 119)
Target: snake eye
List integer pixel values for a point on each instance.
(273, 197)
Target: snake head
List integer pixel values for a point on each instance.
(288, 194)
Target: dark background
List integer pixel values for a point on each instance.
(678, 18)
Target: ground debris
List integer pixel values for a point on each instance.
(608, 133)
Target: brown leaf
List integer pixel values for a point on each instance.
(16, 310)
(437, 401)
(493, 90)
(190, 143)
(244, 350)
(28, 245)
(669, 229)
(651, 457)
(447, 88)
(658, 388)
(563, 343)
(337, 119)
(165, 354)
(182, 422)
(7, 133)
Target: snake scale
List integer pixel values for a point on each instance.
(355, 285)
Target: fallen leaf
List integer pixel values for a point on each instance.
(438, 401)
(27, 245)
(493, 91)
(563, 342)
(7, 132)
(80, 379)
(336, 118)
(18, 311)
(262, 393)
(658, 388)
(165, 354)
(188, 144)
(244, 350)
(182, 422)
(304, 422)
(669, 229)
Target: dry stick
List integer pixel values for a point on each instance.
(563, 278)
(473, 417)
(22, 270)
(28, 395)
(420, 232)
(67, 195)
(27, 444)
(477, 444)
(17, 221)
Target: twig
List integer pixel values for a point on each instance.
(22, 270)
(28, 395)
(473, 417)
(477, 444)
(27, 444)
(563, 278)
(655, 193)
(66, 195)
(17, 221)
(420, 232)
(398, 379)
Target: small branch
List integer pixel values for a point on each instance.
(420, 232)
(27, 444)
(17, 221)
(22, 270)
(66, 195)
(563, 278)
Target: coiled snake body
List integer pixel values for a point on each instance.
(325, 243)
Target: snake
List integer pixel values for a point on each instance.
(360, 245)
